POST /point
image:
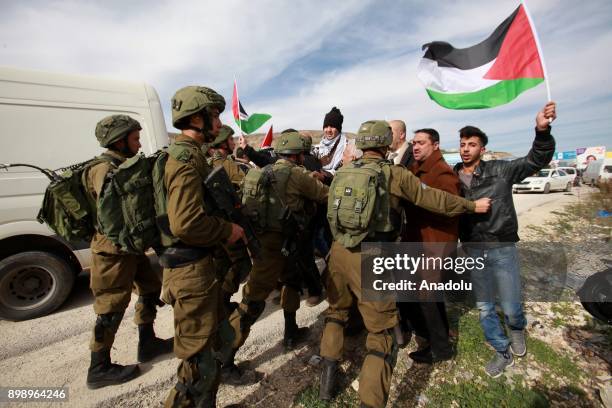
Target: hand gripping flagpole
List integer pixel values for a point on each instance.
(238, 102)
(537, 41)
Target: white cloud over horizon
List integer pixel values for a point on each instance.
(360, 56)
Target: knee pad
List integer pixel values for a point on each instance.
(104, 322)
(201, 392)
(391, 357)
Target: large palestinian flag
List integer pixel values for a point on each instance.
(488, 74)
(248, 123)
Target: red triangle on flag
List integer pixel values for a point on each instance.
(267, 141)
(518, 56)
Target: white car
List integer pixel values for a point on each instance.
(545, 181)
(570, 171)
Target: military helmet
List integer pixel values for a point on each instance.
(307, 142)
(193, 99)
(224, 133)
(373, 134)
(114, 128)
(289, 142)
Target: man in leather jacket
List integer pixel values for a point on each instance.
(492, 236)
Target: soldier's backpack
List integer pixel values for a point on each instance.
(358, 204)
(126, 208)
(263, 196)
(67, 208)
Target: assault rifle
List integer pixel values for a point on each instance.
(223, 199)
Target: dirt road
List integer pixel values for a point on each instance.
(52, 351)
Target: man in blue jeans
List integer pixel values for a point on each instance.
(493, 236)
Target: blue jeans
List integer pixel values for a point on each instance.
(500, 279)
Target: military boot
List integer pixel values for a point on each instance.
(150, 346)
(102, 372)
(293, 334)
(233, 375)
(328, 379)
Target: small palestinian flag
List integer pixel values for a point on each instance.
(488, 74)
(248, 123)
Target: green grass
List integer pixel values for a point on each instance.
(309, 398)
(493, 393)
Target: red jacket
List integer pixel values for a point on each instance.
(422, 225)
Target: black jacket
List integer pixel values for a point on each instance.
(494, 179)
(261, 158)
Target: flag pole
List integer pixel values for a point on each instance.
(238, 101)
(539, 47)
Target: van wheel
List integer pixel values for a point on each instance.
(33, 284)
(547, 188)
(568, 188)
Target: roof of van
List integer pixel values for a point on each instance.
(21, 84)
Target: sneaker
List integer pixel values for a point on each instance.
(498, 364)
(518, 346)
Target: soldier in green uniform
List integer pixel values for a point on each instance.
(190, 283)
(349, 230)
(290, 187)
(114, 274)
(233, 262)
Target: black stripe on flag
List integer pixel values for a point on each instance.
(472, 57)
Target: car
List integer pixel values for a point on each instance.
(48, 120)
(545, 181)
(571, 171)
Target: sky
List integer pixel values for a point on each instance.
(297, 59)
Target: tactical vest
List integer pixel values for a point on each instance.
(359, 203)
(126, 206)
(180, 151)
(263, 195)
(67, 207)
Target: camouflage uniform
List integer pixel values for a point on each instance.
(232, 262)
(115, 274)
(270, 268)
(344, 281)
(192, 287)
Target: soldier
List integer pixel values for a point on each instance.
(113, 273)
(344, 280)
(290, 186)
(233, 261)
(190, 283)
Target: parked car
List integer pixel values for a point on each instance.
(545, 181)
(571, 171)
(48, 120)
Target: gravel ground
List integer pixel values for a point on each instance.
(52, 351)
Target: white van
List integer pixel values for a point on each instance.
(597, 171)
(48, 120)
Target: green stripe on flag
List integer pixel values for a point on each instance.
(495, 95)
(253, 123)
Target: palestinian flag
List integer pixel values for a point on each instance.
(247, 123)
(488, 74)
(267, 140)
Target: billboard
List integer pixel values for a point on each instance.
(568, 155)
(585, 155)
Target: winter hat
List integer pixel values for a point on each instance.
(334, 119)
